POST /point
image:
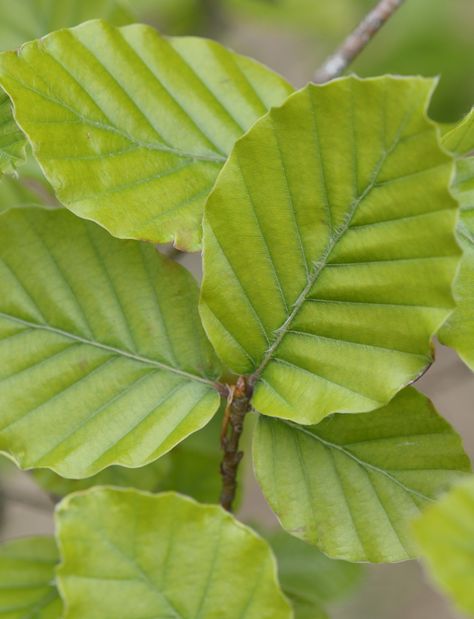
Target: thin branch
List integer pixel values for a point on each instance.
(238, 405)
(357, 40)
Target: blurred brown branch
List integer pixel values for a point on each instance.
(357, 40)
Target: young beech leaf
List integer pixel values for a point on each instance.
(12, 140)
(130, 128)
(102, 357)
(329, 248)
(310, 579)
(445, 533)
(27, 587)
(458, 331)
(130, 555)
(192, 468)
(31, 19)
(352, 484)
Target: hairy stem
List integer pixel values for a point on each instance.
(238, 405)
(357, 40)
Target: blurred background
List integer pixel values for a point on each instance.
(427, 37)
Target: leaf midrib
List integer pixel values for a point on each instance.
(111, 349)
(322, 263)
(363, 463)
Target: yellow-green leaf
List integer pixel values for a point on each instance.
(131, 555)
(352, 484)
(27, 589)
(12, 140)
(458, 331)
(445, 533)
(102, 357)
(329, 248)
(130, 128)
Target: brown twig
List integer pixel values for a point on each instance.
(357, 40)
(238, 405)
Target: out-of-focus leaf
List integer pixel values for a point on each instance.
(445, 533)
(27, 589)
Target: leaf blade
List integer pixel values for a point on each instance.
(353, 482)
(445, 536)
(27, 573)
(112, 336)
(158, 137)
(315, 315)
(183, 572)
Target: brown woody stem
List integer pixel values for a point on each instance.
(357, 40)
(238, 405)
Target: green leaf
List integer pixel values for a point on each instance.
(458, 331)
(192, 468)
(333, 229)
(102, 357)
(148, 121)
(352, 484)
(460, 139)
(31, 19)
(445, 533)
(27, 579)
(131, 555)
(12, 140)
(145, 478)
(310, 579)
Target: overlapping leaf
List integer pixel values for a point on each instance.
(458, 331)
(102, 357)
(130, 555)
(329, 248)
(148, 122)
(445, 533)
(27, 579)
(191, 468)
(12, 140)
(352, 484)
(310, 579)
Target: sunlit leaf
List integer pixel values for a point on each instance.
(460, 139)
(27, 587)
(329, 248)
(148, 121)
(352, 484)
(445, 533)
(130, 555)
(102, 357)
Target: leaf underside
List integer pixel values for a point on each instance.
(148, 121)
(445, 533)
(458, 331)
(191, 468)
(102, 357)
(333, 229)
(26, 579)
(352, 484)
(130, 555)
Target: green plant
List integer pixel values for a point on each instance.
(327, 220)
